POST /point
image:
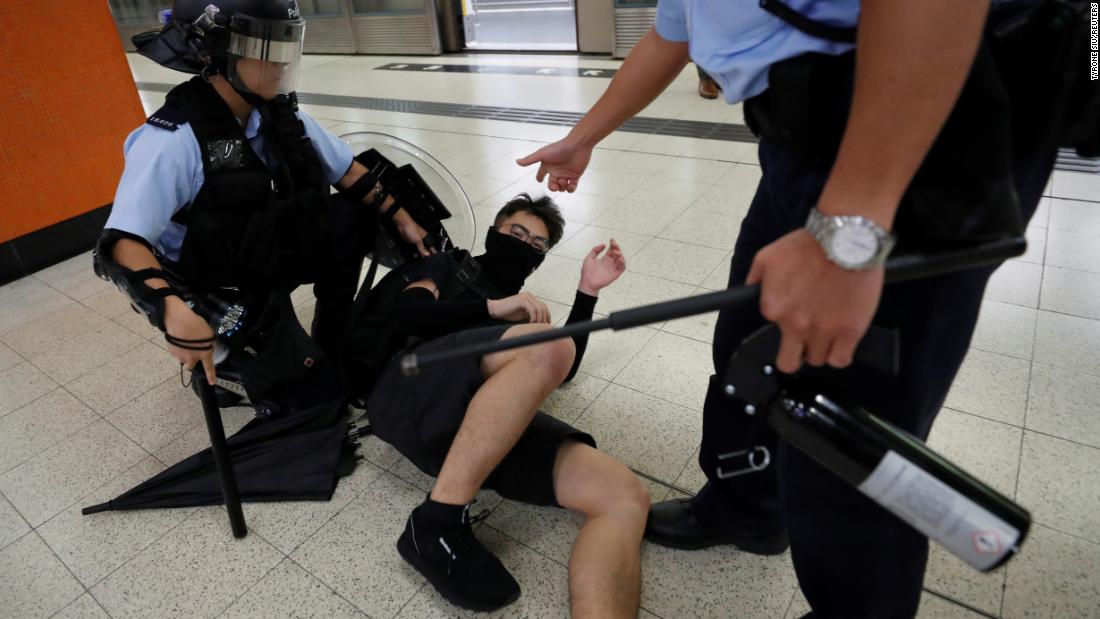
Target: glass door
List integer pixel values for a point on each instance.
(520, 25)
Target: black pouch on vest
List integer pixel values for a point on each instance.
(277, 354)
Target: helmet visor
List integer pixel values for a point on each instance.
(265, 55)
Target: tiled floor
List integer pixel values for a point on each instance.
(90, 404)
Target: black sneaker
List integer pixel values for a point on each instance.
(460, 568)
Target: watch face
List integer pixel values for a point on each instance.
(853, 245)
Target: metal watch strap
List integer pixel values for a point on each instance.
(822, 227)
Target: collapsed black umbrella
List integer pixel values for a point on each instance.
(299, 455)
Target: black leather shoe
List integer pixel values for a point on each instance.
(672, 524)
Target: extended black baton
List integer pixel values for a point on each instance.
(898, 269)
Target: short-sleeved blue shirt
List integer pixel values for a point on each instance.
(163, 174)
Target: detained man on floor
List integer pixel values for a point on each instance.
(475, 423)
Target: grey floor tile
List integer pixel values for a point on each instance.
(610, 183)
(1075, 216)
(26, 300)
(551, 531)
(646, 218)
(988, 450)
(676, 260)
(57, 273)
(799, 605)
(1071, 292)
(51, 332)
(578, 245)
(354, 552)
(556, 280)
(579, 206)
(21, 384)
(119, 381)
(951, 576)
(648, 434)
(672, 368)
(1041, 218)
(1058, 484)
(1076, 185)
(82, 285)
(35, 583)
(692, 477)
(570, 400)
(87, 351)
(12, 524)
(1005, 329)
(706, 226)
(933, 607)
(85, 607)
(8, 358)
(197, 570)
(378, 452)
(1073, 250)
(51, 481)
(992, 386)
(719, 582)
(634, 289)
(609, 353)
(1054, 576)
(160, 415)
(669, 193)
(633, 162)
(1036, 246)
(291, 592)
(1063, 403)
(197, 438)
(543, 584)
(699, 327)
(719, 278)
(93, 546)
(1017, 283)
(697, 170)
(1068, 342)
(35, 427)
(287, 524)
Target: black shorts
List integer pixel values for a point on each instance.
(420, 416)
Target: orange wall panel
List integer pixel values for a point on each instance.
(68, 102)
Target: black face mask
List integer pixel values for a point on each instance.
(508, 261)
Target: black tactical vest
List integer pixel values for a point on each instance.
(246, 228)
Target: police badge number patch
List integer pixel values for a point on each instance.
(225, 154)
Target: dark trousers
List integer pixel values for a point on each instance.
(334, 270)
(853, 559)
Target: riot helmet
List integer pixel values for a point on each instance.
(255, 44)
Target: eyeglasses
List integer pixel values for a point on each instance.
(540, 243)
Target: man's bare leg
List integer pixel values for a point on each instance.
(605, 567)
(517, 383)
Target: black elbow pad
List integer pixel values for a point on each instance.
(144, 299)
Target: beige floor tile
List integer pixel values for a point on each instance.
(51, 332)
(62, 271)
(1017, 283)
(1071, 292)
(1041, 218)
(951, 576)
(543, 584)
(26, 300)
(1074, 216)
(706, 226)
(642, 162)
(1073, 250)
(289, 591)
(379, 452)
(51, 481)
(12, 524)
(692, 477)
(699, 327)
(21, 384)
(579, 244)
(35, 583)
(988, 450)
(87, 351)
(1036, 246)
(677, 261)
(197, 570)
(634, 289)
(672, 368)
(158, 416)
(198, 438)
(1068, 342)
(933, 607)
(8, 358)
(645, 218)
(643, 432)
(570, 400)
(373, 577)
(719, 582)
(664, 145)
(582, 207)
(556, 279)
(697, 170)
(287, 524)
(479, 188)
(719, 277)
(1076, 185)
(1054, 576)
(609, 183)
(119, 381)
(608, 353)
(93, 546)
(35, 427)
(551, 531)
(671, 193)
(991, 386)
(1063, 402)
(722, 150)
(83, 284)
(1005, 329)
(85, 607)
(799, 605)
(1058, 484)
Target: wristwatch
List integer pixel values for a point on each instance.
(851, 242)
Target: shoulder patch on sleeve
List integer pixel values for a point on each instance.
(168, 117)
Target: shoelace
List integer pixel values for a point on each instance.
(466, 541)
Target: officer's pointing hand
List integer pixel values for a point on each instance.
(822, 310)
(564, 161)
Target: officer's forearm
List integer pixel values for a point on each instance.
(912, 60)
(353, 174)
(647, 71)
(136, 257)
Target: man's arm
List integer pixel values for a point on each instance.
(912, 60)
(406, 225)
(647, 71)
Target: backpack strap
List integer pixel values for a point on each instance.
(812, 27)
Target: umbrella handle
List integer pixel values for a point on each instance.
(220, 449)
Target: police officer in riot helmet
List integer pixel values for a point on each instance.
(226, 186)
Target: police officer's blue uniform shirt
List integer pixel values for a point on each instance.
(163, 174)
(736, 41)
